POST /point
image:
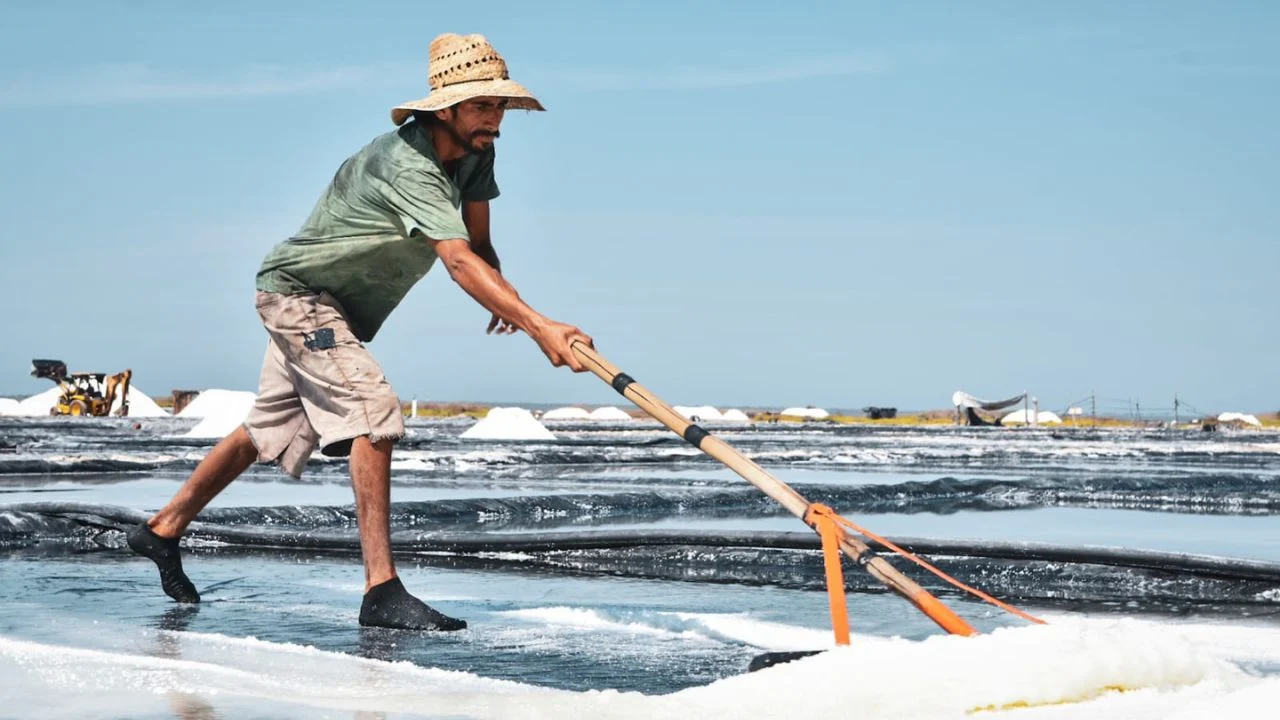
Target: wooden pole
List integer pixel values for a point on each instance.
(796, 504)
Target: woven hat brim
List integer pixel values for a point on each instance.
(518, 97)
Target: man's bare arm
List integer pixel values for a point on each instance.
(476, 216)
(487, 286)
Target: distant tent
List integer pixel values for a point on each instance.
(973, 418)
(967, 405)
(963, 399)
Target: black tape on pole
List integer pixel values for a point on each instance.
(621, 381)
(695, 435)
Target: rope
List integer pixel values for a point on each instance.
(927, 566)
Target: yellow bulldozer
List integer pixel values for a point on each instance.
(85, 393)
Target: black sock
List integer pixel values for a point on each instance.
(165, 554)
(389, 605)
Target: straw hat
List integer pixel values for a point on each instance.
(461, 68)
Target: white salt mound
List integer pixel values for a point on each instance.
(609, 413)
(735, 415)
(140, 404)
(1227, 417)
(40, 404)
(9, 406)
(215, 401)
(701, 413)
(566, 413)
(806, 412)
(222, 410)
(508, 423)
(1044, 417)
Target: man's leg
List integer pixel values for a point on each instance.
(371, 480)
(228, 459)
(157, 538)
(386, 601)
(275, 429)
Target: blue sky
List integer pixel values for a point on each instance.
(837, 204)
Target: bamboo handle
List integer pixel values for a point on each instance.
(793, 501)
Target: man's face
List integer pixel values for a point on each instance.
(474, 123)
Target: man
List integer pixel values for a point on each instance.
(412, 196)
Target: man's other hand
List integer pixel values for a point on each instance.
(500, 326)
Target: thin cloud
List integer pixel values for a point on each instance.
(712, 78)
(116, 83)
(132, 82)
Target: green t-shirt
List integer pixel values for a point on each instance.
(365, 242)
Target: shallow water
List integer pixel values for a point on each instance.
(85, 632)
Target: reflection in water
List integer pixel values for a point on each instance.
(382, 644)
(168, 644)
(375, 643)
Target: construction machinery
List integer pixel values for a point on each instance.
(85, 393)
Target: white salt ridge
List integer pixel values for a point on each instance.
(9, 406)
(609, 413)
(222, 412)
(585, 619)
(735, 415)
(566, 413)
(508, 423)
(40, 404)
(1065, 670)
(805, 412)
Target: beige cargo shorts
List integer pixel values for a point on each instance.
(320, 386)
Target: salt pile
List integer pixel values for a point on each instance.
(222, 410)
(609, 412)
(508, 423)
(1019, 417)
(806, 412)
(216, 401)
(40, 404)
(566, 413)
(9, 406)
(698, 413)
(140, 405)
(1228, 417)
(735, 415)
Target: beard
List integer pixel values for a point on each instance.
(470, 141)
